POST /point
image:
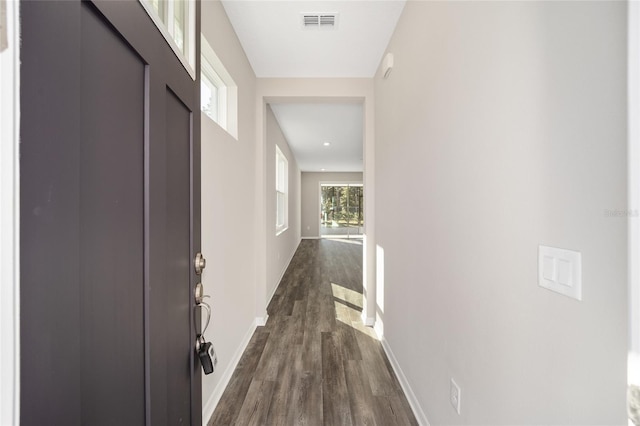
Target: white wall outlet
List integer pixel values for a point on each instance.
(454, 396)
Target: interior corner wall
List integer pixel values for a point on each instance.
(502, 127)
(280, 248)
(310, 222)
(228, 208)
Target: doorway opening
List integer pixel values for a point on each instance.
(341, 211)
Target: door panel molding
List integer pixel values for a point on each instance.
(112, 218)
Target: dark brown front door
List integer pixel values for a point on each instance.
(110, 219)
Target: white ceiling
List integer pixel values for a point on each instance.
(307, 126)
(277, 45)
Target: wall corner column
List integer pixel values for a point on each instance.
(369, 255)
(261, 209)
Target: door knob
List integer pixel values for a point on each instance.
(199, 263)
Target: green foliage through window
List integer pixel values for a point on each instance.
(342, 209)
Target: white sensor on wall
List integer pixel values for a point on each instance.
(387, 65)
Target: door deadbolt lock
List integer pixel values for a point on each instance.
(199, 263)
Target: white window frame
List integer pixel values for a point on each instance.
(9, 212)
(282, 189)
(166, 26)
(212, 68)
(208, 72)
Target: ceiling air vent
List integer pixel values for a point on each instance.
(311, 20)
(328, 20)
(316, 21)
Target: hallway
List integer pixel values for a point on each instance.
(314, 362)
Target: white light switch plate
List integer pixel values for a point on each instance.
(560, 270)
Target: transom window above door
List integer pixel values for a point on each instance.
(176, 21)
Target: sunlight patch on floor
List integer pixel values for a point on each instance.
(352, 240)
(346, 295)
(348, 304)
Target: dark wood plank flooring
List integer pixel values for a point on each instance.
(314, 363)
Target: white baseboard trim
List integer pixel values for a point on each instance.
(286, 265)
(262, 321)
(368, 321)
(378, 327)
(212, 401)
(273, 292)
(310, 238)
(411, 397)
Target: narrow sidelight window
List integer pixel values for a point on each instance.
(282, 178)
(218, 91)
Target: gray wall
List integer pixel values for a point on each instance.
(228, 206)
(501, 127)
(280, 248)
(311, 197)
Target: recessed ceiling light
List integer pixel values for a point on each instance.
(327, 144)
